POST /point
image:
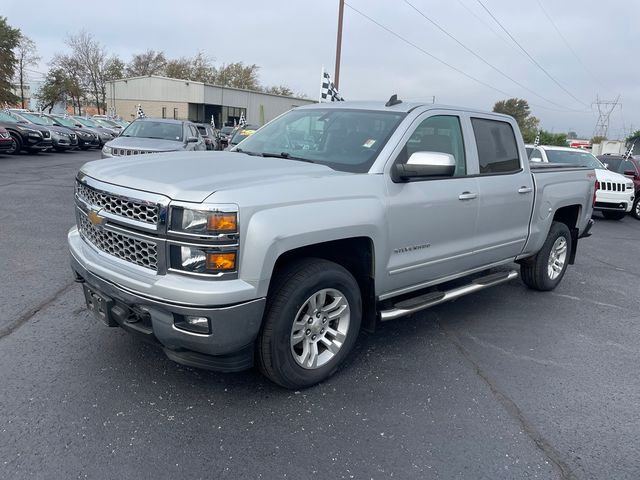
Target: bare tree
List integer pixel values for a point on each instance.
(147, 63)
(91, 58)
(27, 56)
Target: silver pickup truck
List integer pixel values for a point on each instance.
(327, 220)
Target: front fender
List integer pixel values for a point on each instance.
(274, 231)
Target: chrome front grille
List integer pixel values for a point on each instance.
(612, 186)
(46, 134)
(121, 152)
(119, 205)
(121, 246)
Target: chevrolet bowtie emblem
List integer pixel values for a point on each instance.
(95, 218)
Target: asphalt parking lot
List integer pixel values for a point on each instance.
(508, 383)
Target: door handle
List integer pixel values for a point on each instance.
(525, 190)
(467, 196)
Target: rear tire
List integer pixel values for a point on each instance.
(311, 323)
(613, 215)
(545, 270)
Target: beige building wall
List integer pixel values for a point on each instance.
(128, 109)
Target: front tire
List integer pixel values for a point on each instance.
(545, 270)
(613, 215)
(313, 316)
(635, 211)
(16, 145)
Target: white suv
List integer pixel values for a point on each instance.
(614, 192)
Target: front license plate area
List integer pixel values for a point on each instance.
(100, 305)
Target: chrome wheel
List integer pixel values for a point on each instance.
(557, 258)
(320, 328)
(637, 209)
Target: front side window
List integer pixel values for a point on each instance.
(440, 133)
(157, 130)
(343, 139)
(497, 146)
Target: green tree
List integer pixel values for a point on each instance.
(9, 39)
(598, 139)
(238, 75)
(26, 56)
(54, 90)
(519, 109)
(635, 135)
(114, 69)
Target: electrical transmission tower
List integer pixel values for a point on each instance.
(605, 108)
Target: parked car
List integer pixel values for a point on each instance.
(630, 168)
(106, 121)
(614, 192)
(6, 142)
(110, 124)
(225, 136)
(62, 138)
(209, 135)
(328, 219)
(151, 135)
(25, 136)
(241, 133)
(87, 138)
(105, 134)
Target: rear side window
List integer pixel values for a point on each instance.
(497, 146)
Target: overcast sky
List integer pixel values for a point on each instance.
(291, 40)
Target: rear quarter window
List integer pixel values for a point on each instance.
(497, 146)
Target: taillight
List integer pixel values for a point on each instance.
(594, 192)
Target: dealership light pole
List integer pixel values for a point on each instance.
(336, 79)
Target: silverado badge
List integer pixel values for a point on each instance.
(95, 218)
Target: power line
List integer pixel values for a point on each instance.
(422, 50)
(591, 74)
(425, 52)
(479, 57)
(530, 57)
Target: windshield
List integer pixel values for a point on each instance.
(67, 122)
(37, 119)
(242, 133)
(151, 129)
(5, 117)
(105, 123)
(226, 130)
(86, 122)
(346, 140)
(577, 157)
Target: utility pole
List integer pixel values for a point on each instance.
(336, 79)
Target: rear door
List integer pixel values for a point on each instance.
(505, 191)
(431, 221)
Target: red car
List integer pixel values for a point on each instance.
(6, 142)
(629, 167)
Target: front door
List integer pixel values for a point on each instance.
(431, 221)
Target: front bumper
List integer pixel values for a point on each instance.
(6, 144)
(234, 326)
(612, 201)
(36, 143)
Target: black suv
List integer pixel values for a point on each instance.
(26, 136)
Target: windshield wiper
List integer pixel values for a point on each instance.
(239, 150)
(287, 156)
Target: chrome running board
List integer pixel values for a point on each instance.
(415, 304)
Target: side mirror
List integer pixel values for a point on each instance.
(426, 164)
(192, 139)
(630, 173)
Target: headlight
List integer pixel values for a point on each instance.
(106, 149)
(203, 222)
(629, 186)
(203, 260)
(33, 133)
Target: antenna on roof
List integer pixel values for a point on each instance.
(393, 101)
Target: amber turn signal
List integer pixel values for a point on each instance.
(221, 261)
(222, 222)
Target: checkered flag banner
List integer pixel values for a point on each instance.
(140, 113)
(630, 151)
(329, 92)
(213, 123)
(536, 142)
(6, 107)
(243, 120)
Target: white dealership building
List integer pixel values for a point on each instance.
(162, 97)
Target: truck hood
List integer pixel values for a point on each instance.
(193, 176)
(609, 176)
